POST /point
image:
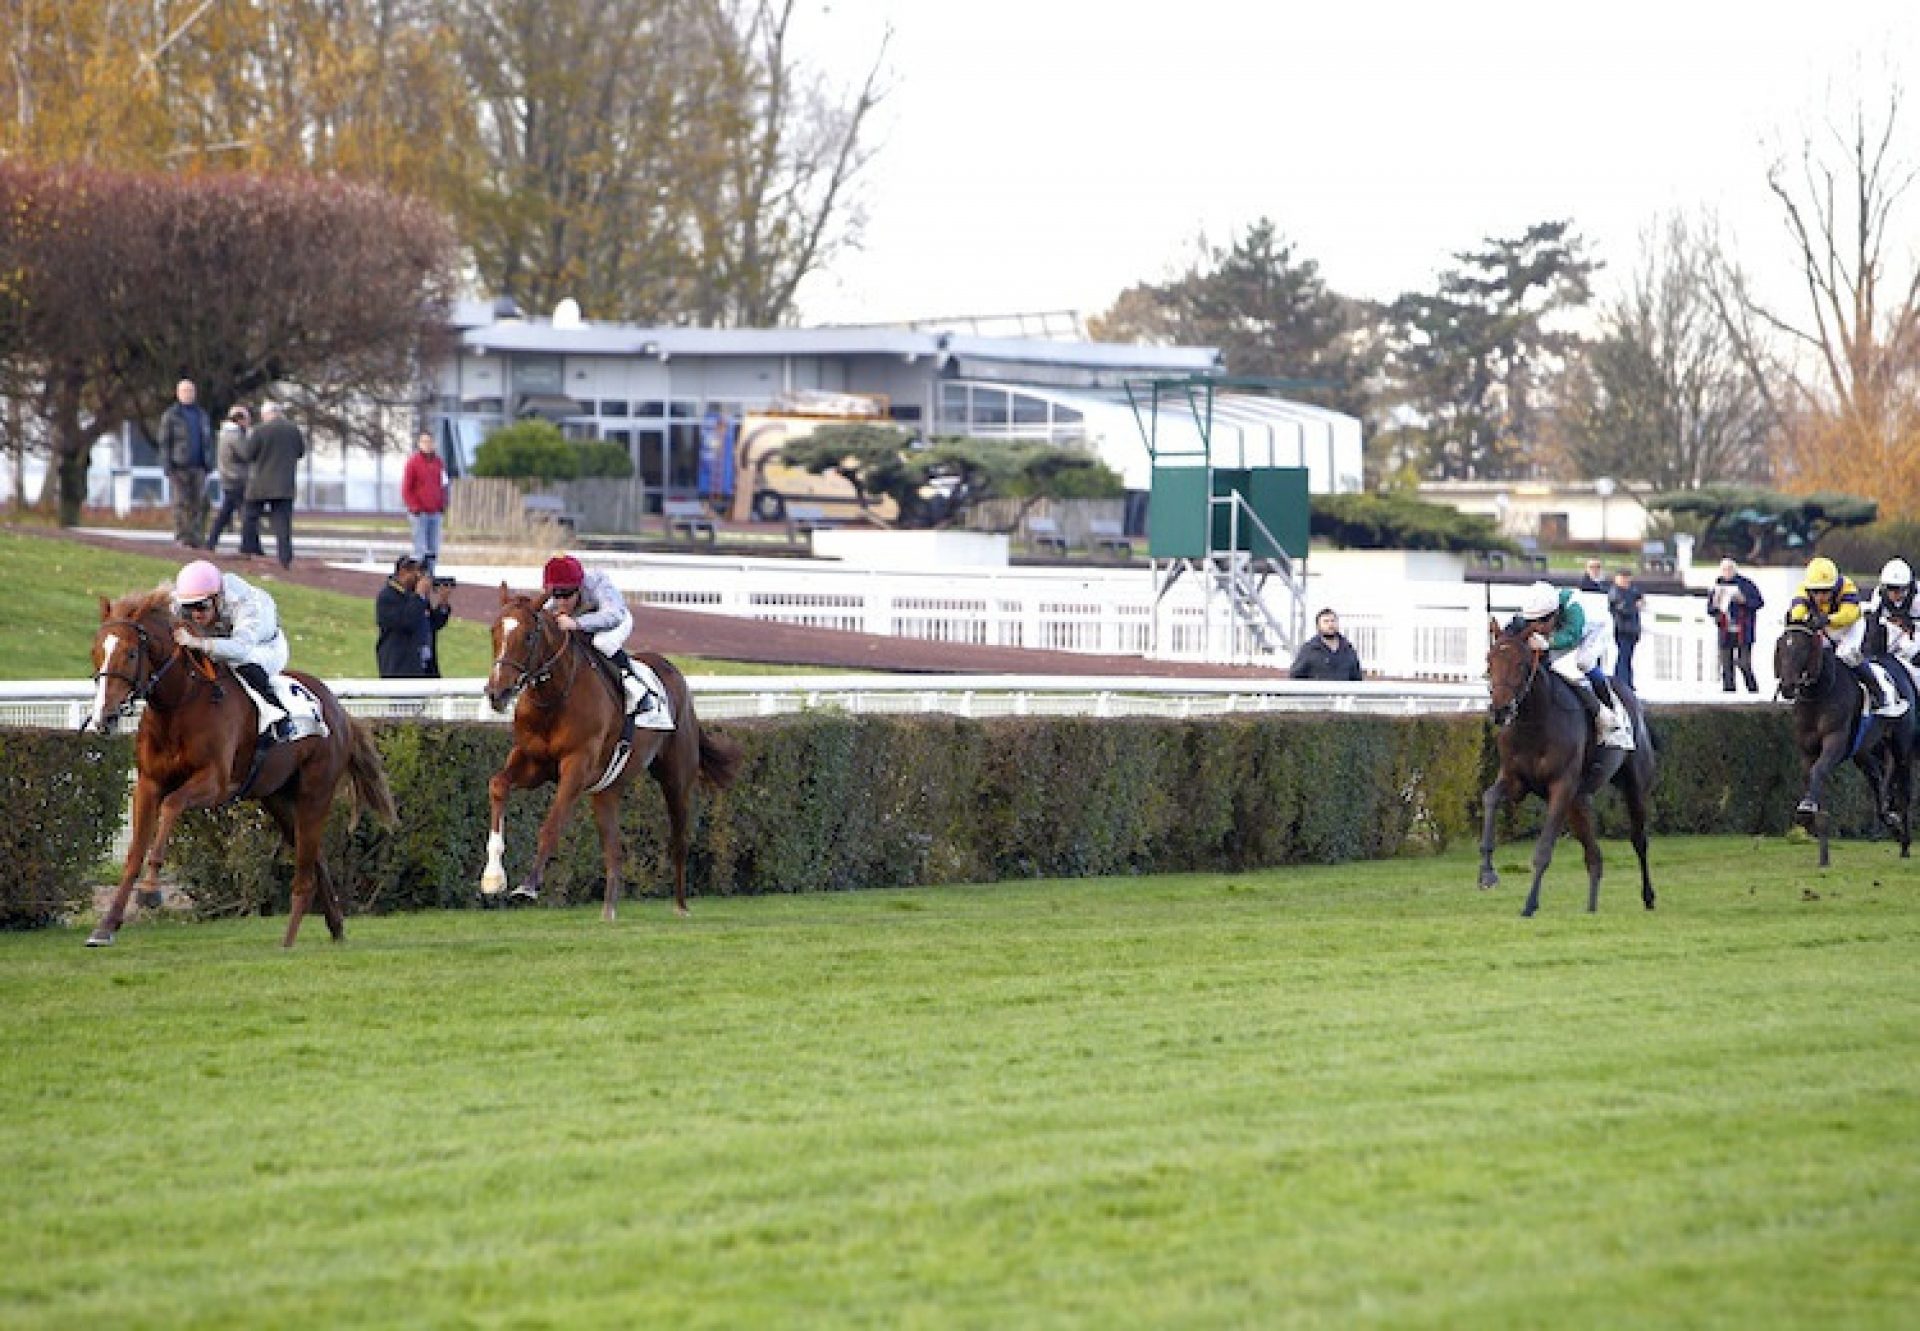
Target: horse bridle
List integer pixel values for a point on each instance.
(1794, 689)
(140, 687)
(529, 677)
(1504, 716)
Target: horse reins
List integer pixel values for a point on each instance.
(1512, 709)
(530, 678)
(139, 688)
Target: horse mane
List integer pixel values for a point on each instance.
(139, 605)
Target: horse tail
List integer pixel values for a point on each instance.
(719, 759)
(368, 775)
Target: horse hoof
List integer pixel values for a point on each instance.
(492, 884)
(525, 892)
(150, 899)
(98, 939)
(1489, 879)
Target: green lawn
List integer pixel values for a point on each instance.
(52, 606)
(1364, 1095)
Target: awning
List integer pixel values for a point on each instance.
(552, 406)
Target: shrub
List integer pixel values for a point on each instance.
(62, 796)
(528, 450)
(602, 459)
(1390, 520)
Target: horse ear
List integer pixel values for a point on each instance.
(1493, 628)
(506, 593)
(106, 610)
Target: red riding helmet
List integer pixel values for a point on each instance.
(563, 572)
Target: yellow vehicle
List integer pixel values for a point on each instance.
(765, 487)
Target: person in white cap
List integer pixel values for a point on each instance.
(1576, 644)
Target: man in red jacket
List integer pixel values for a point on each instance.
(423, 489)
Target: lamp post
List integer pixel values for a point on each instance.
(1604, 488)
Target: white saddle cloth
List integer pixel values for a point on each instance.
(293, 698)
(660, 715)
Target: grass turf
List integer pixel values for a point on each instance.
(52, 607)
(1363, 1095)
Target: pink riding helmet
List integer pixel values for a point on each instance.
(197, 581)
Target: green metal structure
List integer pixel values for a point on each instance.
(1243, 529)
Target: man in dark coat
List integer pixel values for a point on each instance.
(1624, 602)
(186, 450)
(407, 621)
(1326, 655)
(272, 454)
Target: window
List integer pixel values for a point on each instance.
(1066, 415)
(953, 407)
(989, 407)
(649, 408)
(612, 407)
(1029, 410)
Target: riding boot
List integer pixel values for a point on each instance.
(1886, 699)
(273, 717)
(1619, 730)
(638, 699)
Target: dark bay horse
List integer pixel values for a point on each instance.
(195, 750)
(566, 727)
(1547, 748)
(1831, 723)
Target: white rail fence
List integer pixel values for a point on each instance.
(1405, 629)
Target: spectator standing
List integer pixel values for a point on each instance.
(1624, 601)
(186, 449)
(273, 452)
(407, 621)
(229, 447)
(1595, 579)
(423, 489)
(1326, 655)
(1735, 605)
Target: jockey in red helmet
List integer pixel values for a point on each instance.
(585, 600)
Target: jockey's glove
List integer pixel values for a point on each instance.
(1538, 642)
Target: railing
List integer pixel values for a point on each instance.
(64, 704)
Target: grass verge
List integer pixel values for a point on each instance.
(1364, 1095)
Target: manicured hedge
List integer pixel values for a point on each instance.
(830, 802)
(61, 798)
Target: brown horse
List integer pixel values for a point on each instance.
(196, 750)
(1547, 748)
(566, 728)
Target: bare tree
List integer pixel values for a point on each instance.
(1661, 395)
(1841, 374)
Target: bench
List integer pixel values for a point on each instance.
(1044, 534)
(550, 508)
(1530, 554)
(1655, 559)
(803, 519)
(687, 519)
(1108, 539)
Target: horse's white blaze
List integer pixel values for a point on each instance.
(508, 627)
(100, 684)
(494, 880)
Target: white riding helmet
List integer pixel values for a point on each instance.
(1896, 574)
(1542, 599)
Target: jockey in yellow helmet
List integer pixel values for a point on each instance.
(1828, 602)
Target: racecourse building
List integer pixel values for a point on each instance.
(663, 392)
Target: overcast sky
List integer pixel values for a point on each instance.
(1045, 154)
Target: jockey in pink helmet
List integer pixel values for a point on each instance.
(585, 600)
(229, 619)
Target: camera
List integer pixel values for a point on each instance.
(440, 581)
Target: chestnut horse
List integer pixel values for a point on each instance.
(1831, 723)
(1547, 748)
(196, 750)
(566, 727)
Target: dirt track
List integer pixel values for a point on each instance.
(723, 637)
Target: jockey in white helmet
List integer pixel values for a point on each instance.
(1577, 639)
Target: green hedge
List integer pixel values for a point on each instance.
(62, 796)
(830, 802)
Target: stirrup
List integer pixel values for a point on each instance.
(1897, 706)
